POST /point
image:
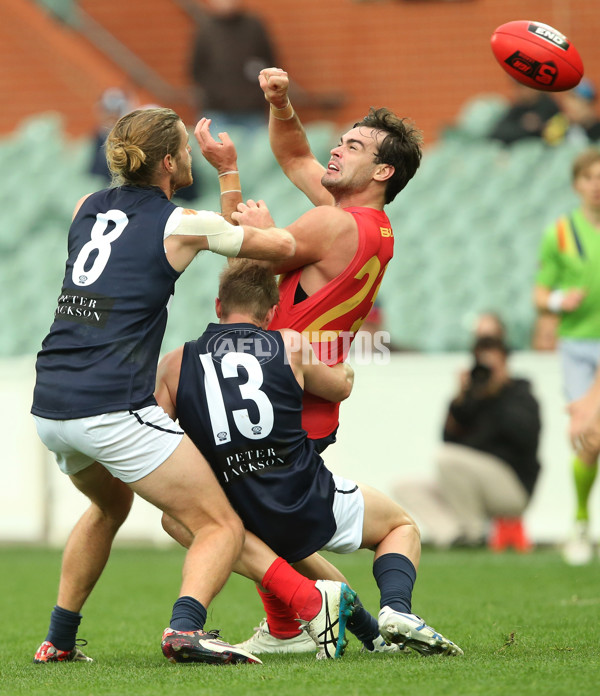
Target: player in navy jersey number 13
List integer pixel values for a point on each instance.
(237, 392)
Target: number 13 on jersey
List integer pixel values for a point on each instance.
(250, 390)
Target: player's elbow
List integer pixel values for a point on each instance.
(348, 382)
(346, 390)
(283, 246)
(287, 245)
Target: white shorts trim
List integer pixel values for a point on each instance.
(130, 444)
(349, 513)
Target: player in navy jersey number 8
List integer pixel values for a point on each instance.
(93, 400)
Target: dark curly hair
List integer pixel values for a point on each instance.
(401, 147)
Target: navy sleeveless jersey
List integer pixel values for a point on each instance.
(240, 403)
(102, 350)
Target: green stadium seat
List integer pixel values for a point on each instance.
(480, 114)
(467, 228)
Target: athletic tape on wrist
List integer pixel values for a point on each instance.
(286, 113)
(555, 300)
(229, 182)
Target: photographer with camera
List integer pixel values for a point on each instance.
(487, 466)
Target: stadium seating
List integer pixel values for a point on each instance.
(480, 114)
(467, 231)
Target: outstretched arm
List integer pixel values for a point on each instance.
(222, 155)
(190, 231)
(324, 235)
(288, 139)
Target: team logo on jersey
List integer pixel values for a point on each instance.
(222, 436)
(256, 429)
(261, 344)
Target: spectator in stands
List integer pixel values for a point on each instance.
(487, 466)
(490, 324)
(577, 122)
(568, 284)
(526, 117)
(230, 48)
(113, 104)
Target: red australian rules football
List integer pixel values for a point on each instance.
(537, 55)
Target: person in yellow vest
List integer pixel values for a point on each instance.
(568, 284)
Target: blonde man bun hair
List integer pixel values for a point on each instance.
(138, 142)
(124, 157)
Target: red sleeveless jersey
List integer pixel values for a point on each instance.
(331, 317)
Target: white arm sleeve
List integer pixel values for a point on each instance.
(223, 238)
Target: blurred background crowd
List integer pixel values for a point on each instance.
(70, 69)
(496, 170)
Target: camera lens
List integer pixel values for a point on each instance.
(480, 373)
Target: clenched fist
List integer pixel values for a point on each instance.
(274, 82)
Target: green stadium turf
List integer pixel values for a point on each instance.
(529, 625)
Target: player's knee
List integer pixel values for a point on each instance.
(407, 527)
(588, 454)
(236, 531)
(225, 524)
(169, 525)
(121, 500)
(112, 510)
(414, 530)
(232, 532)
(167, 522)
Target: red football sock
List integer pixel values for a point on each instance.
(294, 590)
(283, 621)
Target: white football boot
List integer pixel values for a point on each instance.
(328, 628)
(263, 642)
(380, 646)
(413, 632)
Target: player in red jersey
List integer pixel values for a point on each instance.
(343, 246)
